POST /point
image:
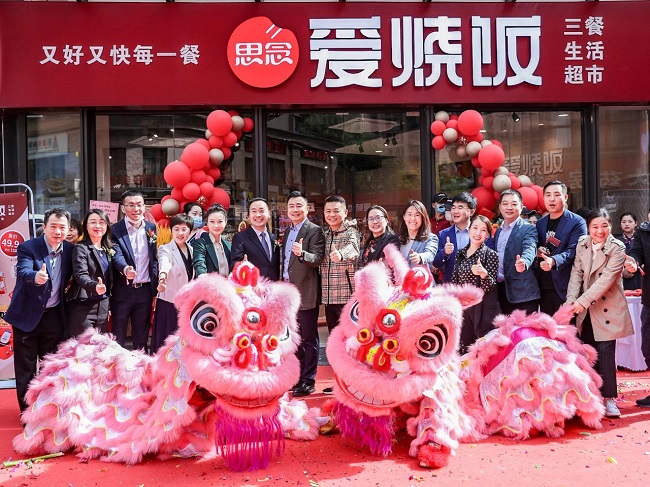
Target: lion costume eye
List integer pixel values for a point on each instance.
(433, 341)
(354, 312)
(254, 318)
(204, 320)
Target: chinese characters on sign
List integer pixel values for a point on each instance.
(539, 166)
(581, 55)
(189, 53)
(425, 50)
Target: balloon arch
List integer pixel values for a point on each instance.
(462, 135)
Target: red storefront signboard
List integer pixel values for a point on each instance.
(280, 54)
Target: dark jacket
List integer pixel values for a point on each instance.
(124, 257)
(640, 251)
(446, 262)
(87, 269)
(376, 252)
(249, 244)
(205, 257)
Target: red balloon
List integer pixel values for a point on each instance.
(529, 197)
(214, 172)
(438, 127)
(239, 133)
(470, 122)
(478, 137)
(485, 198)
(209, 179)
(516, 184)
(196, 156)
(453, 116)
(452, 124)
(221, 197)
(203, 142)
(219, 122)
(206, 189)
(491, 156)
(497, 195)
(248, 124)
(191, 191)
(156, 212)
(438, 143)
(226, 152)
(540, 196)
(475, 162)
(216, 142)
(177, 194)
(487, 182)
(165, 198)
(198, 177)
(230, 139)
(164, 223)
(487, 172)
(177, 174)
(496, 142)
(233, 113)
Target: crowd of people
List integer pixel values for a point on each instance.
(89, 274)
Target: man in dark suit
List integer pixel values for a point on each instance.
(303, 247)
(557, 236)
(37, 312)
(135, 259)
(256, 244)
(516, 243)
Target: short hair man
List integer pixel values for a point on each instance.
(557, 236)
(303, 247)
(136, 259)
(37, 312)
(516, 243)
(256, 244)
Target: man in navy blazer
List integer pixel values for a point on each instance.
(516, 243)
(136, 270)
(557, 235)
(37, 309)
(256, 244)
(454, 238)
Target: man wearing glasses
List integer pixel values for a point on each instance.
(135, 258)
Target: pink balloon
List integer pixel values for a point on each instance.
(177, 174)
(491, 156)
(191, 191)
(529, 197)
(206, 189)
(487, 182)
(470, 122)
(516, 184)
(438, 127)
(438, 142)
(196, 156)
(248, 124)
(219, 122)
(485, 198)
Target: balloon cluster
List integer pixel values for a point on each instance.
(462, 135)
(192, 178)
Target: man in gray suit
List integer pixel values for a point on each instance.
(516, 244)
(303, 246)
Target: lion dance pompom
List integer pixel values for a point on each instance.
(218, 381)
(394, 356)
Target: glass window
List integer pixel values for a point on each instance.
(133, 150)
(54, 161)
(624, 162)
(368, 158)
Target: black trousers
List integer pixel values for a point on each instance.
(507, 307)
(606, 363)
(550, 301)
(30, 347)
(136, 305)
(87, 314)
(307, 352)
(333, 315)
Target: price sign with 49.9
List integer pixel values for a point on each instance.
(9, 242)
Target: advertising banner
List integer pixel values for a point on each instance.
(14, 229)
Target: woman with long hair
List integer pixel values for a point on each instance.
(596, 293)
(417, 244)
(87, 297)
(211, 250)
(195, 212)
(379, 235)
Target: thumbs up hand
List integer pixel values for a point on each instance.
(414, 257)
(41, 276)
(630, 264)
(129, 272)
(479, 270)
(296, 248)
(449, 247)
(520, 264)
(335, 255)
(100, 288)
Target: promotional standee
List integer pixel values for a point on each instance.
(14, 230)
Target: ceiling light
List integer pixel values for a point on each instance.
(378, 151)
(563, 115)
(515, 117)
(540, 124)
(386, 142)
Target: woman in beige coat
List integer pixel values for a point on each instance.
(596, 293)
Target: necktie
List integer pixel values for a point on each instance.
(265, 244)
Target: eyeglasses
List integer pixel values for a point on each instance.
(377, 218)
(101, 223)
(132, 206)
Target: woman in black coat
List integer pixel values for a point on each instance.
(88, 295)
(380, 235)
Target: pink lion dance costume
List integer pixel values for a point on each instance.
(218, 380)
(394, 357)
(529, 375)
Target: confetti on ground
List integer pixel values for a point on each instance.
(313, 483)
(585, 433)
(29, 461)
(268, 477)
(611, 460)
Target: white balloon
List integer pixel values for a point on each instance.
(171, 207)
(501, 170)
(525, 180)
(473, 148)
(501, 183)
(237, 123)
(442, 116)
(208, 134)
(450, 135)
(485, 142)
(461, 152)
(216, 157)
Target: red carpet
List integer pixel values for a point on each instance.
(617, 455)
